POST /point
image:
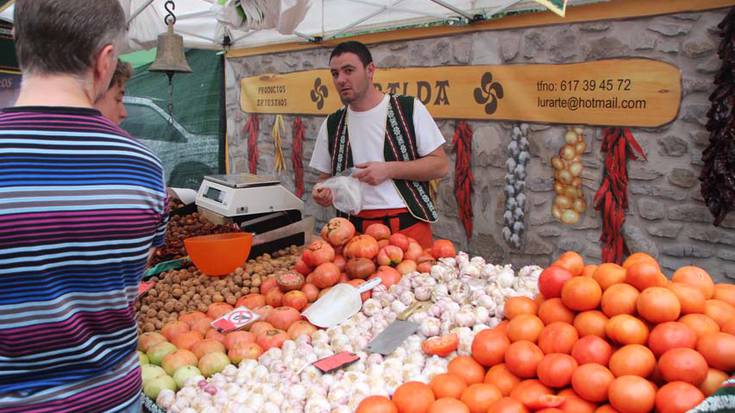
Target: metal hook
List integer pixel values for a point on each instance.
(170, 18)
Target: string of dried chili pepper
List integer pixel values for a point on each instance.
(618, 146)
(297, 156)
(252, 128)
(463, 177)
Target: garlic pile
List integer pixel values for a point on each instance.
(515, 185)
(569, 201)
(467, 296)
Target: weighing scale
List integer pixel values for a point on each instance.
(257, 204)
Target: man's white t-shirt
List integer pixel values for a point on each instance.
(367, 136)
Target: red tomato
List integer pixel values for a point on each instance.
(440, 346)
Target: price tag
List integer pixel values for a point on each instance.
(339, 360)
(144, 286)
(235, 319)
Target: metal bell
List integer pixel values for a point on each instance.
(170, 56)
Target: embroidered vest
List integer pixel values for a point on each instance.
(400, 145)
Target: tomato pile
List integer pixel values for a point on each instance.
(605, 338)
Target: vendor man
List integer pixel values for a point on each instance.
(392, 142)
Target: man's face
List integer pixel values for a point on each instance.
(111, 104)
(351, 78)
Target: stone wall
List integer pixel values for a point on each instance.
(666, 217)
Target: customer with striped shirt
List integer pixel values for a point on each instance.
(81, 206)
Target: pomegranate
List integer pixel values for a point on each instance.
(290, 281)
(360, 268)
(361, 246)
(318, 252)
(338, 231)
(378, 231)
(390, 255)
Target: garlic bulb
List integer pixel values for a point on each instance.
(465, 317)
(429, 327)
(423, 293)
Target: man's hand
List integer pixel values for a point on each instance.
(373, 173)
(322, 196)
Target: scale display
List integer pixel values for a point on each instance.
(214, 194)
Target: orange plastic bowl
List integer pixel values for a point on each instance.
(219, 254)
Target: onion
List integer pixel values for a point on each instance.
(580, 147)
(576, 168)
(580, 205)
(557, 163)
(570, 216)
(562, 202)
(570, 137)
(565, 177)
(568, 152)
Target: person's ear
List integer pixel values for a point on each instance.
(104, 67)
(370, 70)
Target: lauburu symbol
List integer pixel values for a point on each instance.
(489, 93)
(319, 92)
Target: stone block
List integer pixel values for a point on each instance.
(667, 45)
(534, 42)
(606, 47)
(670, 231)
(462, 49)
(594, 27)
(696, 85)
(540, 216)
(689, 213)
(672, 146)
(727, 255)
(670, 28)
(510, 44)
(698, 45)
(700, 137)
(710, 66)
(565, 45)
(549, 231)
(540, 184)
(711, 235)
(684, 178)
(537, 246)
(637, 241)
(489, 147)
(657, 191)
(695, 159)
(486, 246)
(693, 251)
(571, 244)
(650, 209)
(641, 172)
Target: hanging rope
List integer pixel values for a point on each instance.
(252, 128)
(618, 144)
(463, 177)
(297, 156)
(278, 129)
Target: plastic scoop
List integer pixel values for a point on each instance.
(338, 304)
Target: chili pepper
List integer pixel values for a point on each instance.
(252, 127)
(463, 177)
(297, 156)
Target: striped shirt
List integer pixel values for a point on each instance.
(81, 204)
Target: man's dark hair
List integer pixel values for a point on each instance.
(65, 36)
(353, 47)
(123, 73)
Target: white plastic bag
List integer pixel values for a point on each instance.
(346, 193)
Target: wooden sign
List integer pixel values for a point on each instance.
(619, 92)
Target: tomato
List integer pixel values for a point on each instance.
(251, 301)
(719, 311)
(318, 252)
(388, 275)
(295, 299)
(696, 277)
(547, 401)
(552, 310)
(414, 251)
(234, 338)
(448, 405)
(467, 368)
(300, 328)
(673, 334)
(479, 396)
(522, 358)
(575, 404)
(529, 392)
(290, 281)
(326, 275)
(502, 378)
(507, 405)
(592, 349)
(591, 381)
(260, 327)
(683, 364)
(713, 381)
(174, 328)
(378, 231)
(658, 305)
(448, 385)
(244, 351)
(489, 346)
(626, 329)
(361, 246)
(282, 317)
(700, 323)
(525, 327)
(581, 294)
(719, 350)
(389, 255)
(633, 359)
(558, 337)
(642, 275)
(515, 306)
(443, 248)
(407, 266)
(591, 323)
(217, 310)
(572, 262)
(608, 274)
(632, 394)
(440, 346)
(376, 404)
(338, 231)
(691, 299)
(551, 281)
(274, 297)
(360, 268)
(619, 299)
(413, 397)
(271, 338)
(677, 397)
(399, 240)
(555, 370)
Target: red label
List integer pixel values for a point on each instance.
(336, 361)
(235, 319)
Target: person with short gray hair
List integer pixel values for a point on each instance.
(82, 205)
